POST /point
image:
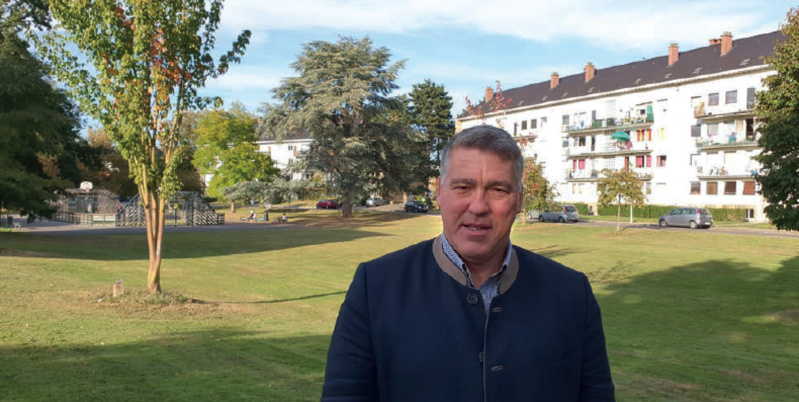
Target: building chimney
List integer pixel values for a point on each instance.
(726, 42)
(554, 80)
(674, 53)
(590, 70)
(489, 94)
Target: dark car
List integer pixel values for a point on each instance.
(687, 216)
(327, 204)
(415, 206)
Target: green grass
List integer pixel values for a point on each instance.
(689, 315)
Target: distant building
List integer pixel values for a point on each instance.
(684, 121)
(289, 150)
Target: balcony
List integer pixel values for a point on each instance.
(719, 115)
(720, 173)
(612, 124)
(591, 175)
(529, 135)
(724, 142)
(610, 149)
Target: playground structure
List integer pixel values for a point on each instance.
(98, 206)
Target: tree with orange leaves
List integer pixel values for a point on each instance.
(144, 64)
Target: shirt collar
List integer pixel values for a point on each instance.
(458, 261)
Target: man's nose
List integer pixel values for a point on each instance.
(478, 205)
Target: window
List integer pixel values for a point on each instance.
(712, 188)
(694, 187)
(581, 142)
(565, 119)
(565, 143)
(662, 134)
(543, 122)
(515, 129)
(649, 161)
(713, 129)
(694, 159)
(533, 123)
(524, 124)
(749, 188)
(750, 214)
(713, 99)
(730, 188)
(731, 97)
(581, 164)
(750, 98)
(291, 147)
(639, 161)
(696, 131)
(661, 160)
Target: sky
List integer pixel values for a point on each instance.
(467, 45)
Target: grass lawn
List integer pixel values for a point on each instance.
(689, 315)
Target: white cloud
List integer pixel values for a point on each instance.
(611, 23)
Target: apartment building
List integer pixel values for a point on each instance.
(684, 122)
(284, 152)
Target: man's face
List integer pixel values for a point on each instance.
(479, 199)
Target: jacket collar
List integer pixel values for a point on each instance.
(505, 281)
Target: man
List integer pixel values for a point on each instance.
(467, 316)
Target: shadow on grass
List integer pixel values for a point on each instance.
(196, 244)
(210, 365)
(341, 292)
(716, 330)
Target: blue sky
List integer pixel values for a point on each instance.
(467, 45)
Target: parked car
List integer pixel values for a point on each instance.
(563, 213)
(327, 204)
(375, 202)
(415, 206)
(687, 216)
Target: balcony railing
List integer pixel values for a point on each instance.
(609, 149)
(610, 124)
(724, 141)
(722, 173)
(596, 175)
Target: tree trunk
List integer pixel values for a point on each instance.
(232, 207)
(154, 219)
(618, 216)
(346, 210)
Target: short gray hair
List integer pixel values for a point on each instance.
(488, 139)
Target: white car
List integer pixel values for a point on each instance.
(563, 213)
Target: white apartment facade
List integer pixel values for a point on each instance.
(284, 152)
(689, 118)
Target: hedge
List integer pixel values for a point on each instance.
(655, 211)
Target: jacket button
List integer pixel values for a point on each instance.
(497, 309)
(497, 368)
(481, 356)
(472, 298)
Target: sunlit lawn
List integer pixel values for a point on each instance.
(689, 315)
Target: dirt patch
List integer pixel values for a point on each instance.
(788, 317)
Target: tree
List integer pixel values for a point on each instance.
(40, 145)
(341, 96)
(147, 61)
(778, 123)
(226, 148)
(431, 108)
(539, 194)
(114, 174)
(622, 187)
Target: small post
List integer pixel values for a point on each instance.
(118, 288)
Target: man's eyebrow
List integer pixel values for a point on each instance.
(457, 181)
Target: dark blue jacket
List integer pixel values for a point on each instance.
(410, 330)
